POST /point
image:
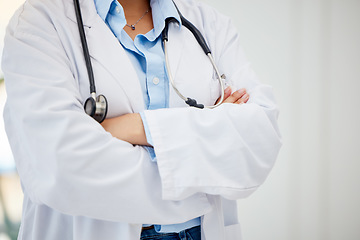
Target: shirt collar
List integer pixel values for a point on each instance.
(161, 10)
(103, 7)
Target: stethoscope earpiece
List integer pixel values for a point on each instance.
(96, 107)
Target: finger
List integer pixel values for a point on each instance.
(235, 96)
(227, 93)
(243, 99)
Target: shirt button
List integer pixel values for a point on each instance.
(117, 9)
(156, 81)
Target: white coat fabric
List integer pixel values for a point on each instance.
(81, 183)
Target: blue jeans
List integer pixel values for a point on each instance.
(187, 234)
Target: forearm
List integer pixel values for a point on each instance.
(128, 127)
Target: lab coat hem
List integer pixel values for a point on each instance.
(177, 193)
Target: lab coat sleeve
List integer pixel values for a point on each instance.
(148, 138)
(229, 150)
(65, 159)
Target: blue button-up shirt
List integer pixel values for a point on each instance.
(147, 56)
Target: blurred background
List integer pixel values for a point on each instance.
(309, 51)
(10, 189)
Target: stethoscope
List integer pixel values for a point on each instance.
(97, 106)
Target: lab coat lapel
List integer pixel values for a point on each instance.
(175, 46)
(88, 11)
(105, 48)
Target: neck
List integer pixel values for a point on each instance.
(135, 14)
(135, 6)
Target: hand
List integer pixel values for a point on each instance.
(238, 97)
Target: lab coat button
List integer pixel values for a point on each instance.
(117, 9)
(156, 81)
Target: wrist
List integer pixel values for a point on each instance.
(136, 130)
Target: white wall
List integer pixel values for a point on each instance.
(309, 51)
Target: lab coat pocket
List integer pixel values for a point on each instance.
(233, 232)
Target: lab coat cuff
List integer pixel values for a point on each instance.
(150, 150)
(146, 128)
(170, 188)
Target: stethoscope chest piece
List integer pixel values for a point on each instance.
(96, 107)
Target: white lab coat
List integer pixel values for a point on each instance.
(80, 182)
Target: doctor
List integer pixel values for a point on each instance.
(155, 166)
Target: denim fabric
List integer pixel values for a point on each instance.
(187, 234)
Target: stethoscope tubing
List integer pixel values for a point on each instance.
(85, 48)
(201, 41)
(221, 81)
(97, 106)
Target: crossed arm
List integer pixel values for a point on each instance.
(129, 127)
